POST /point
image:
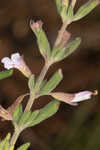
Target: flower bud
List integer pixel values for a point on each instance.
(36, 26)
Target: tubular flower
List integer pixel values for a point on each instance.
(17, 62)
(73, 99)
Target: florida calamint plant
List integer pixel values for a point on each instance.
(38, 86)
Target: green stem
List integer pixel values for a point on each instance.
(30, 102)
(37, 86)
(42, 75)
(15, 137)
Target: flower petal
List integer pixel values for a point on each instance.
(8, 64)
(81, 96)
(16, 59)
(15, 56)
(5, 60)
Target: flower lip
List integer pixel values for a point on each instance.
(15, 56)
(84, 95)
(8, 64)
(14, 62)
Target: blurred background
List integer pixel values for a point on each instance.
(71, 128)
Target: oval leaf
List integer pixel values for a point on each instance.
(46, 112)
(85, 9)
(52, 83)
(43, 44)
(59, 5)
(24, 118)
(17, 113)
(32, 118)
(66, 51)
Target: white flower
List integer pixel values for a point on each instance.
(17, 62)
(73, 99)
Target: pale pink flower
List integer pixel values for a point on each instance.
(73, 99)
(17, 62)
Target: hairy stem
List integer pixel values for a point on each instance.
(61, 32)
(37, 86)
(41, 76)
(15, 137)
(30, 102)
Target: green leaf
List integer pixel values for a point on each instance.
(67, 50)
(17, 113)
(24, 118)
(70, 12)
(43, 84)
(60, 54)
(43, 44)
(4, 144)
(31, 82)
(85, 9)
(46, 112)
(52, 83)
(24, 146)
(5, 74)
(33, 116)
(64, 14)
(62, 7)
(72, 46)
(59, 5)
(55, 50)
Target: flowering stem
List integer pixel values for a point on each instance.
(37, 86)
(42, 75)
(39, 81)
(61, 32)
(31, 100)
